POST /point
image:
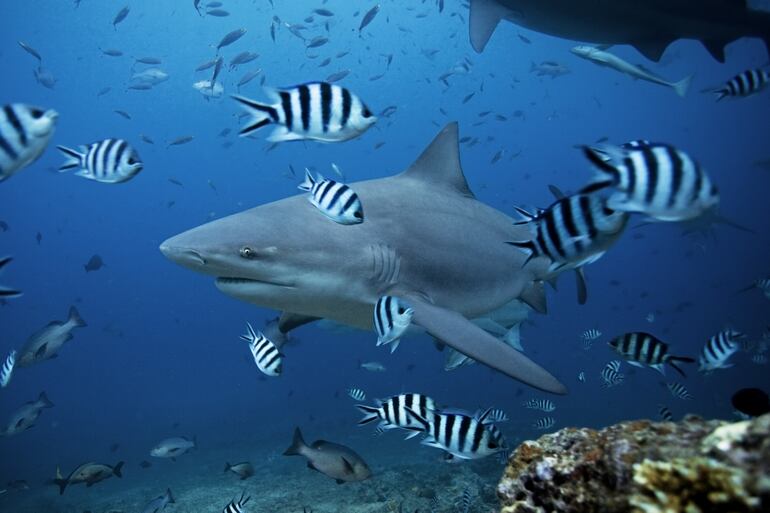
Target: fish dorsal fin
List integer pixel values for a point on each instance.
(439, 163)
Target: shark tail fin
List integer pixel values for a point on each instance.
(682, 86)
(308, 183)
(484, 17)
(262, 114)
(74, 159)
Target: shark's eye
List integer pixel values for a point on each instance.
(247, 252)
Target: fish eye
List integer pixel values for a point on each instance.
(247, 252)
(36, 113)
(358, 214)
(492, 445)
(367, 113)
(401, 310)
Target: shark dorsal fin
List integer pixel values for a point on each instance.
(439, 163)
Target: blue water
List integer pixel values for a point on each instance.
(161, 354)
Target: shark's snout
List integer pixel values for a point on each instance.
(181, 255)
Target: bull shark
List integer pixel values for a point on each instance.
(648, 25)
(425, 239)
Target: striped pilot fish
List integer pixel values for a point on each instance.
(545, 405)
(611, 375)
(664, 413)
(745, 83)
(357, 394)
(642, 349)
(574, 231)
(265, 353)
(392, 317)
(318, 110)
(544, 423)
(107, 161)
(335, 200)
(393, 415)
(7, 370)
(654, 179)
(718, 350)
(679, 391)
(24, 134)
(237, 506)
(463, 436)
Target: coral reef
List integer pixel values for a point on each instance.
(692, 466)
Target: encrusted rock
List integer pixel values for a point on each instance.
(693, 466)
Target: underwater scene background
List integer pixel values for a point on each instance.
(161, 356)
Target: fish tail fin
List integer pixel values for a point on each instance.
(4, 261)
(61, 483)
(682, 86)
(262, 114)
(721, 94)
(44, 400)
(227, 467)
(307, 184)
(370, 414)
(684, 359)
(606, 173)
(118, 469)
(297, 444)
(171, 499)
(76, 319)
(74, 159)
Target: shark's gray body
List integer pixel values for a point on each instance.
(424, 238)
(648, 25)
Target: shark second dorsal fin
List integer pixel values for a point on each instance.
(439, 163)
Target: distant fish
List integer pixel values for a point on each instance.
(34, 53)
(24, 418)
(242, 58)
(230, 38)
(684, 191)
(368, 17)
(158, 504)
(46, 343)
(664, 413)
(549, 69)
(581, 376)
(237, 506)
(650, 317)
(209, 89)
(4, 292)
(392, 414)
(88, 473)
(120, 17)
(206, 65)
(745, 83)
(25, 131)
(545, 405)
(180, 140)
(122, 114)
(337, 76)
(316, 42)
(148, 60)
(103, 91)
(45, 77)
(243, 470)
(497, 415)
(642, 349)
(544, 423)
(318, 110)
(372, 366)
(333, 460)
(679, 391)
(265, 353)
(524, 39)
(611, 375)
(357, 394)
(218, 13)
(111, 52)
(145, 464)
(335, 200)
(6, 373)
(392, 317)
(323, 12)
(94, 264)
(173, 447)
(465, 501)
(146, 139)
(108, 161)
(718, 350)
(591, 334)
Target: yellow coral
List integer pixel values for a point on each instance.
(691, 485)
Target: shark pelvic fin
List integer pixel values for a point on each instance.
(653, 49)
(464, 336)
(439, 163)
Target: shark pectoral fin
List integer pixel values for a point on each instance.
(484, 17)
(464, 336)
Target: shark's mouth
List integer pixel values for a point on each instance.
(231, 282)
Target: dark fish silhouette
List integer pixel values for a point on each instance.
(94, 264)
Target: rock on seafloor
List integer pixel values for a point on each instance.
(692, 466)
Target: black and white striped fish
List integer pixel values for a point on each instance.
(678, 390)
(392, 317)
(759, 359)
(465, 501)
(496, 415)
(6, 292)
(237, 507)
(611, 375)
(335, 200)
(317, 110)
(763, 284)
(463, 436)
(544, 423)
(265, 353)
(24, 134)
(392, 411)
(591, 334)
(573, 232)
(581, 376)
(745, 83)
(664, 413)
(7, 370)
(718, 350)
(642, 349)
(357, 394)
(107, 161)
(658, 180)
(545, 405)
